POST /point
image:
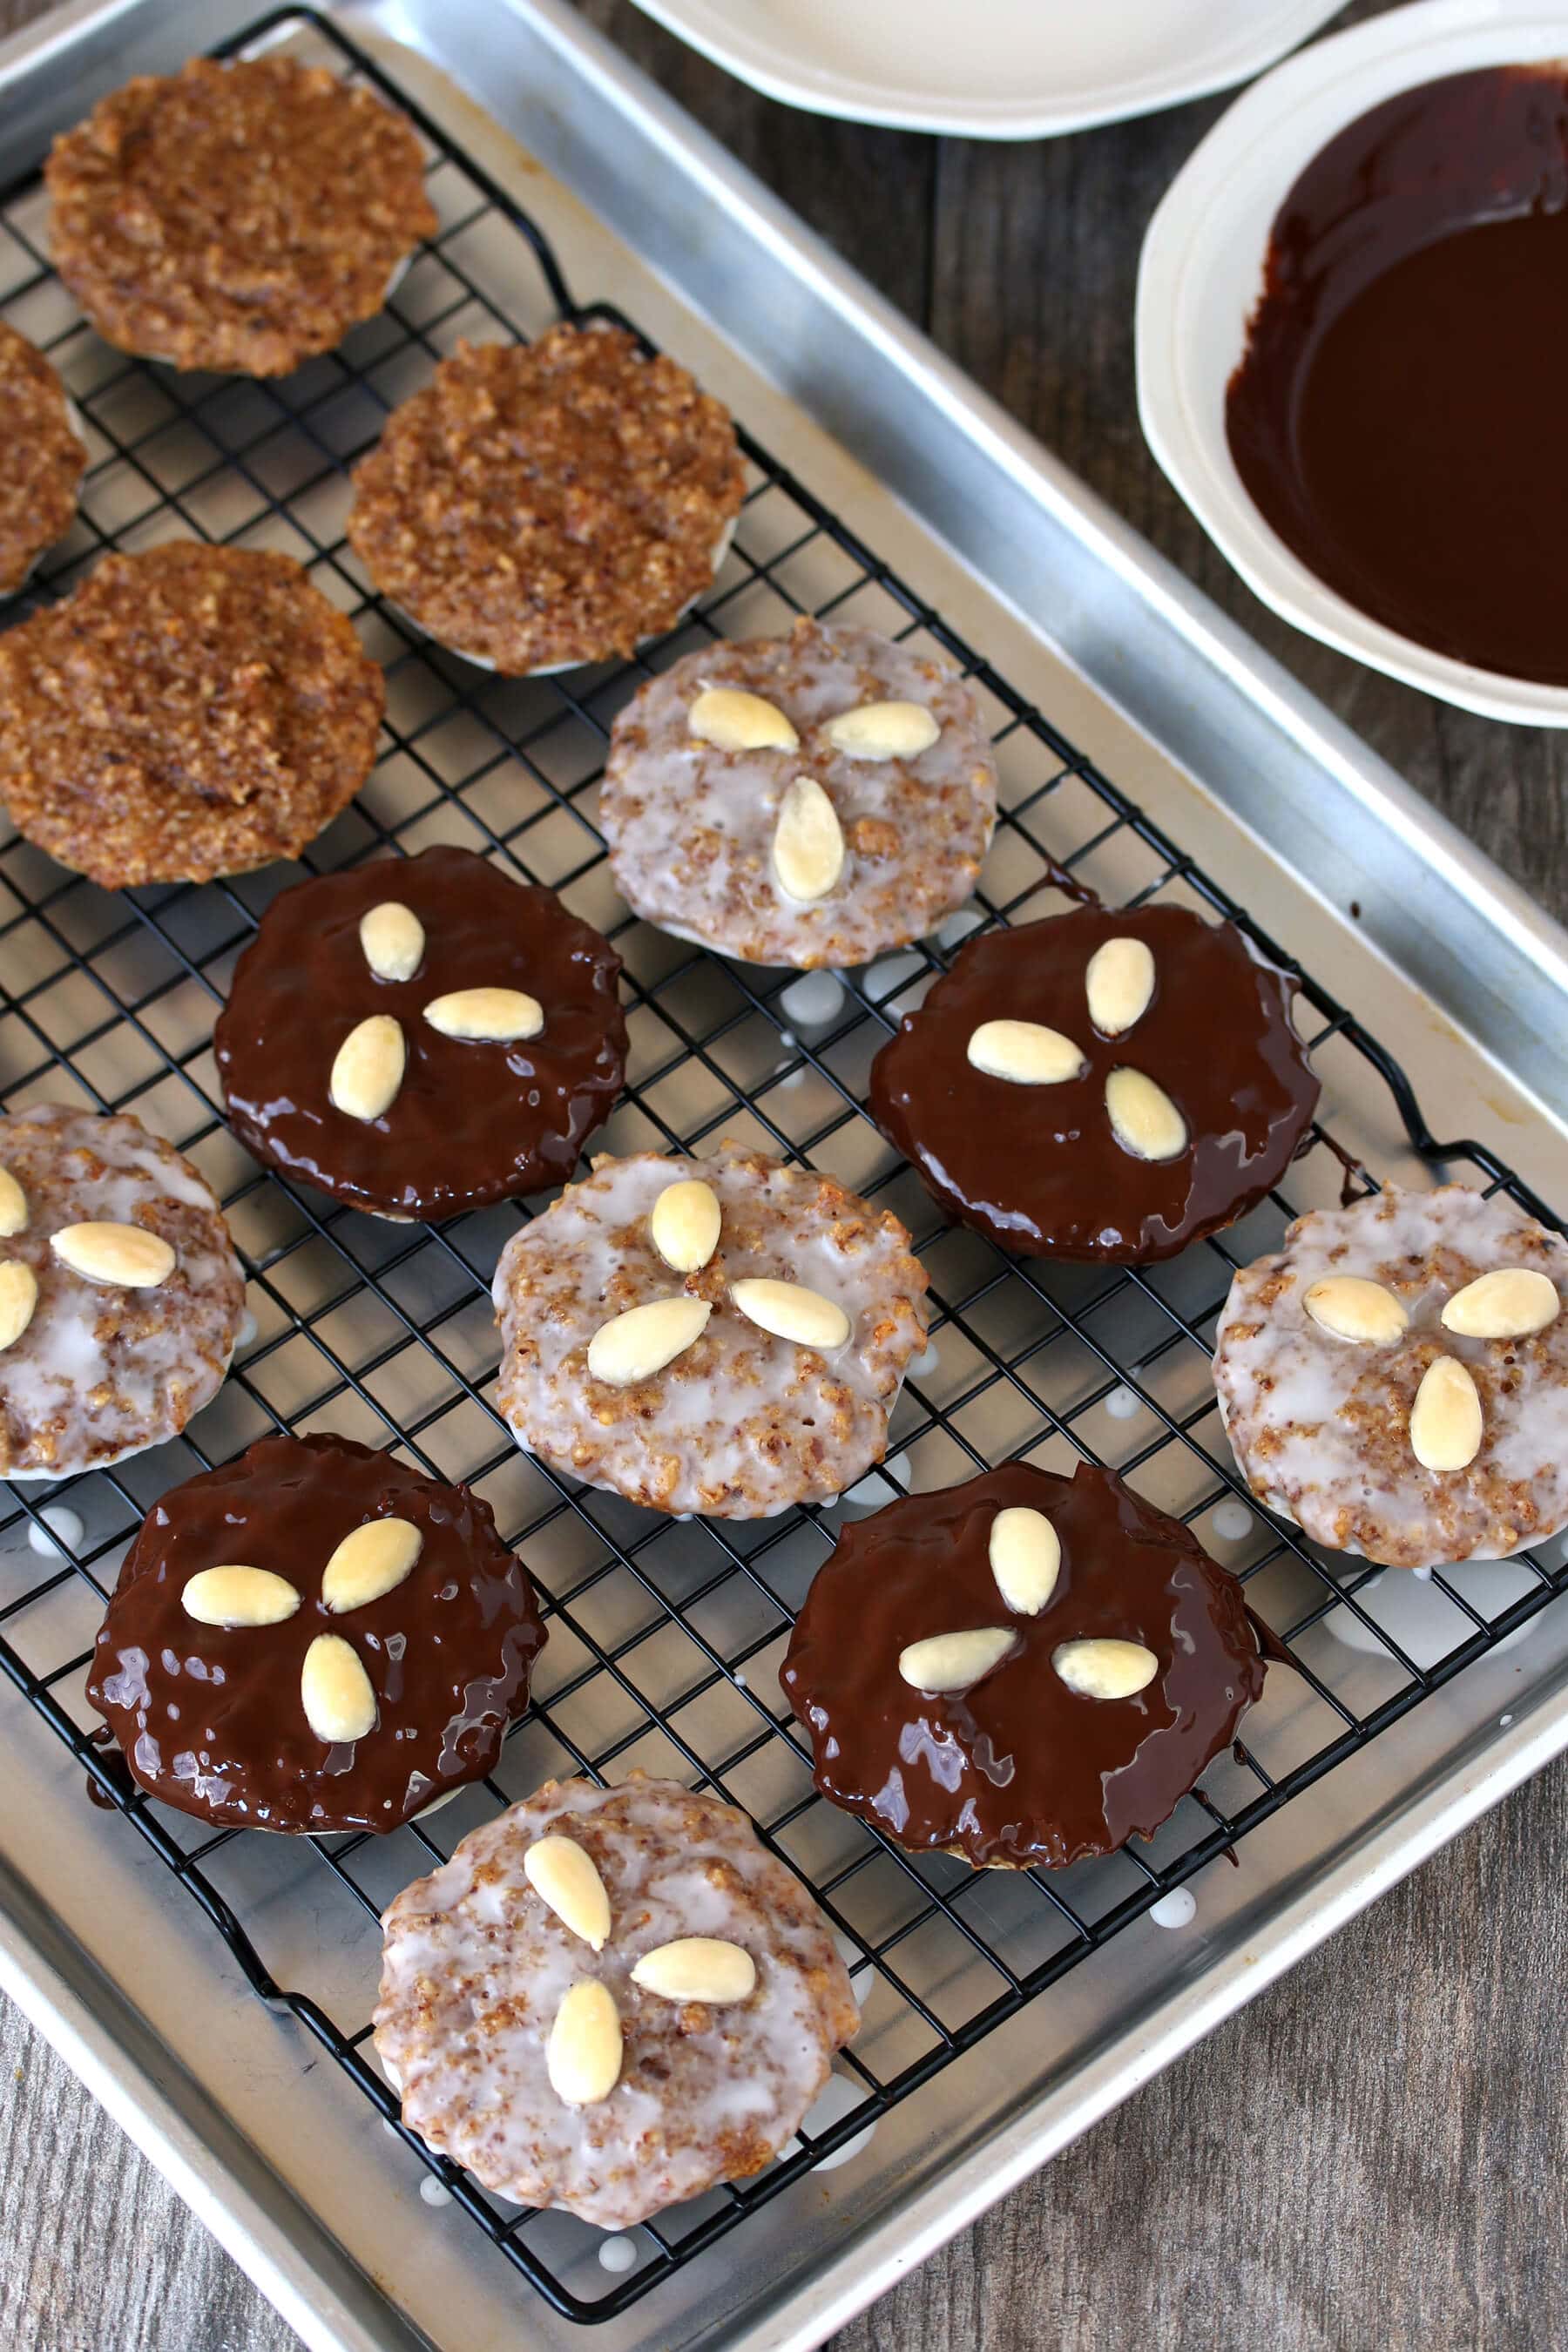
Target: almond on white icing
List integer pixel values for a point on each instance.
(634, 1345)
(790, 1311)
(128, 1256)
(733, 721)
(684, 1224)
(584, 2050)
(18, 1296)
(13, 1206)
(566, 1877)
(1508, 1304)
(884, 731)
(808, 842)
(1446, 1427)
(1352, 1308)
(707, 1969)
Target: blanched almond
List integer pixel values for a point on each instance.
(808, 842)
(1024, 1052)
(634, 1345)
(562, 1874)
(486, 1017)
(1105, 1668)
(235, 1595)
(1354, 1308)
(18, 1296)
(697, 1967)
(1119, 983)
(393, 938)
(884, 731)
(956, 1661)
(367, 1068)
(1445, 1418)
(127, 1255)
(13, 1206)
(1507, 1305)
(370, 1561)
(1143, 1119)
(335, 1692)
(1025, 1554)
(790, 1311)
(733, 720)
(684, 1226)
(584, 2052)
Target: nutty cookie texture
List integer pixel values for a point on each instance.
(609, 2000)
(314, 1637)
(185, 712)
(1023, 1669)
(726, 1336)
(239, 218)
(1395, 1376)
(539, 505)
(806, 800)
(1107, 1085)
(41, 460)
(121, 1295)
(421, 1035)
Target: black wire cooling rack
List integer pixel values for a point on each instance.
(665, 1636)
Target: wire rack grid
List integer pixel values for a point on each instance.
(666, 1637)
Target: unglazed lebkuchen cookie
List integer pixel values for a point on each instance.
(41, 458)
(609, 2000)
(1395, 1376)
(240, 215)
(726, 1336)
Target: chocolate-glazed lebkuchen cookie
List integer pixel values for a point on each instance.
(1023, 1669)
(314, 1637)
(1106, 1085)
(423, 1036)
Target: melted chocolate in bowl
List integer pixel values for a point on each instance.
(210, 1716)
(1019, 1768)
(1397, 415)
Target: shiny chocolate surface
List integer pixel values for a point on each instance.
(1039, 1168)
(472, 1121)
(210, 1718)
(1019, 1768)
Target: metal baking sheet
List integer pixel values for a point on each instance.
(1462, 978)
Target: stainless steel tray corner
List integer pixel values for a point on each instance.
(1466, 982)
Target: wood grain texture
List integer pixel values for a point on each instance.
(1374, 2154)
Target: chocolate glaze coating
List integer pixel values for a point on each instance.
(471, 1122)
(1038, 1167)
(210, 1716)
(1019, 1769)
(1396, 416)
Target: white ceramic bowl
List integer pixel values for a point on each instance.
(1202, 272)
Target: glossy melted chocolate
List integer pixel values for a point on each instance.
(210, 1716)
(1019, 1768)
(471, 1122)
(1397, 417)
(1038, 1167)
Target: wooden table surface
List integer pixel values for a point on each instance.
(1373, 2153)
